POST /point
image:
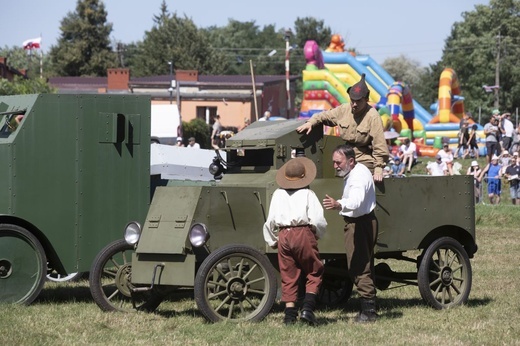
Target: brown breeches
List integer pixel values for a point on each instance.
(297, 253)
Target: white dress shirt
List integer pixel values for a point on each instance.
(359, 194)
(293, 208)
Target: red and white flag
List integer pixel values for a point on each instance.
(33, 43)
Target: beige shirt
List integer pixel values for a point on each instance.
(364, 132)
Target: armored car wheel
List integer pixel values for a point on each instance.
(56, 277)
(235, 283)
(445, 275)
(110, 281)
(336, 286)
(23, 265)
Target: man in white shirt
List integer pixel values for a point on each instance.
(357, 208)
(437, 168)
(409, 154)
(193, 144)
(507, 129)
(294, 225)
(447, 157)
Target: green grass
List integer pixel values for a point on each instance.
(65, 313)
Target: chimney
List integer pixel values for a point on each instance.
(186, 75)
(118, 78)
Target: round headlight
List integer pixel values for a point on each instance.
(198, 235)
(132, 232)
(214, 169)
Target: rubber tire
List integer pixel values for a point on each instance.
(25, 295)
(334, 290)
(207, 272)
(147, 301)
(429, 272)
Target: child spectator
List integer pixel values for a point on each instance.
(294, 225)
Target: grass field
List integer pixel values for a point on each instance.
(66, 314)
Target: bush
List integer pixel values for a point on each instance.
(200, 130)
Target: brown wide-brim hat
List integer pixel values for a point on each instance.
(296, 173)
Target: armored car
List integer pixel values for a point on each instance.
(208, 236)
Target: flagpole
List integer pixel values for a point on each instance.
(41, 58)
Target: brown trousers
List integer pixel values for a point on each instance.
(360, 239)
(297, 253)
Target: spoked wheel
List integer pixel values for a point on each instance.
(235, 283)
(445, 276)
(56, 277)
(23, 265)
(336, 285)
(110, 281)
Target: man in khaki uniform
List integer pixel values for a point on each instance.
(360, 126)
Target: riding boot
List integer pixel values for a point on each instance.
(307, 314)
(368, 311)
(290, 315)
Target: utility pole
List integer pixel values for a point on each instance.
(497, 74)
(170, 89)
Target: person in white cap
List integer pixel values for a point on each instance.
(475, 171)
(294, 225)
(179, 142)
(493, 170)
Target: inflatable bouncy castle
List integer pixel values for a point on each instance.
(328, 75)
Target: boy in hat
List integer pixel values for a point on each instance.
(360, 126)
(294, 225)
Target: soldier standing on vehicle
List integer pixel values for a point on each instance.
(357, 208)
(360, 126)
(294, 225)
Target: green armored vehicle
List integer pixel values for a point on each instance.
(74, 169)
(209, 235)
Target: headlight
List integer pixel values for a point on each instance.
(132, 232)
(198, 235)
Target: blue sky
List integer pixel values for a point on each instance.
(381, 29)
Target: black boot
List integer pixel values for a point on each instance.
(290, 315)
(368, 311)
(307, 315)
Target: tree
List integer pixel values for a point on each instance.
(84, 48)
(240, 42)
(488, 37)
(309, 28)
(200, 130)
(24, 86)
(409, 71)
(177, 40)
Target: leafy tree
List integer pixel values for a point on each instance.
(22, 59)
(472, 49)
(240, 42)
(310, 28)
(84, 46)
(200, 130)
(177, 40)
(24, 86)
(409, 71)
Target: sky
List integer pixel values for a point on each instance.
(381, 29)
